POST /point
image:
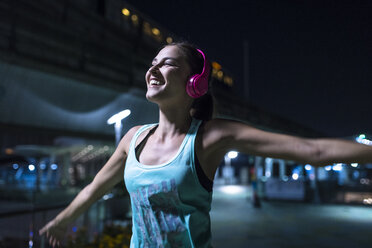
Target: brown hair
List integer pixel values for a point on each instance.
(202, 107)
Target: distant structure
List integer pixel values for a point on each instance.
(67, 66)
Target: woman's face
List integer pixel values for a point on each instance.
(166, 79)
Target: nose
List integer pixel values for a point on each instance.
(153, 69)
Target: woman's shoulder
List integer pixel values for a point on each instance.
(215, 129)
(214, 139)
(127, 138)
(219, 124)
(133, 130)
(223, 129)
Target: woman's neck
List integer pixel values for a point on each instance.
(173, 122)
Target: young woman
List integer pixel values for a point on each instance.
(169, 166)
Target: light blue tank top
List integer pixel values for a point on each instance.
(170, 208)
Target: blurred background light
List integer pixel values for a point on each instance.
(125, 12)
(118, 117)
(155, 31)
(232, 189)
(294, 176)
(134, 18)
(337, 167)
(31, 167)
(43, 166)
(354, 165)
(367, 201)
(232, 154)
(54, 166)
(169, 40)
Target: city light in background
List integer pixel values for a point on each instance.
(117, 120)
(363, 140)
(232, 189)
(232, 154)
(228, 171)
(295, 176)
(31, 167)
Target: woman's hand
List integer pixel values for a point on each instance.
(106, 179)
(55, 232)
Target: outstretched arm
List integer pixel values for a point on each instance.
(106, 179)
(341, 151)
(318, 152)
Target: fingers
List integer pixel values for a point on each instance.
(45, 228)
(54, 241)
(50, 240)
(42, 230)
(52, 234)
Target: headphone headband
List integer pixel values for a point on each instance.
(204, 61)
(198, 83)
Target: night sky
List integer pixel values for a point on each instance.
(309, 61)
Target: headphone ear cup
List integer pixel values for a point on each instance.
(197, 86)
(190, 86)
(202, 86)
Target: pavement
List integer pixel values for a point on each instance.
(237, 224)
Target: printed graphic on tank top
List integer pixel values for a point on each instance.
(157, 213)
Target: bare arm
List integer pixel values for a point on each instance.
(106, 179)
(345, 151)
(247, 139)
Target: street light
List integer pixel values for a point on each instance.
(228, 170)
(116, 119)
(232, 154)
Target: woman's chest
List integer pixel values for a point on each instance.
(156, 153)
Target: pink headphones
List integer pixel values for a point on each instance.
(198, 83)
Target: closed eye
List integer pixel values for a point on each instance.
(165, 61)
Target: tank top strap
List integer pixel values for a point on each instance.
(192, 136)
(137, 134)
(189, 140)
(195, 126)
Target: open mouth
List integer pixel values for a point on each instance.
(154, 82)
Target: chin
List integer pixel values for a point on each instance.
(164, 97)
(153, 97)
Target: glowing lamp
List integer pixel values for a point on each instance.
(125, 12)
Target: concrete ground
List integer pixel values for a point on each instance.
(236, 223)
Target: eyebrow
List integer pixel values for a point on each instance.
(165, 58)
